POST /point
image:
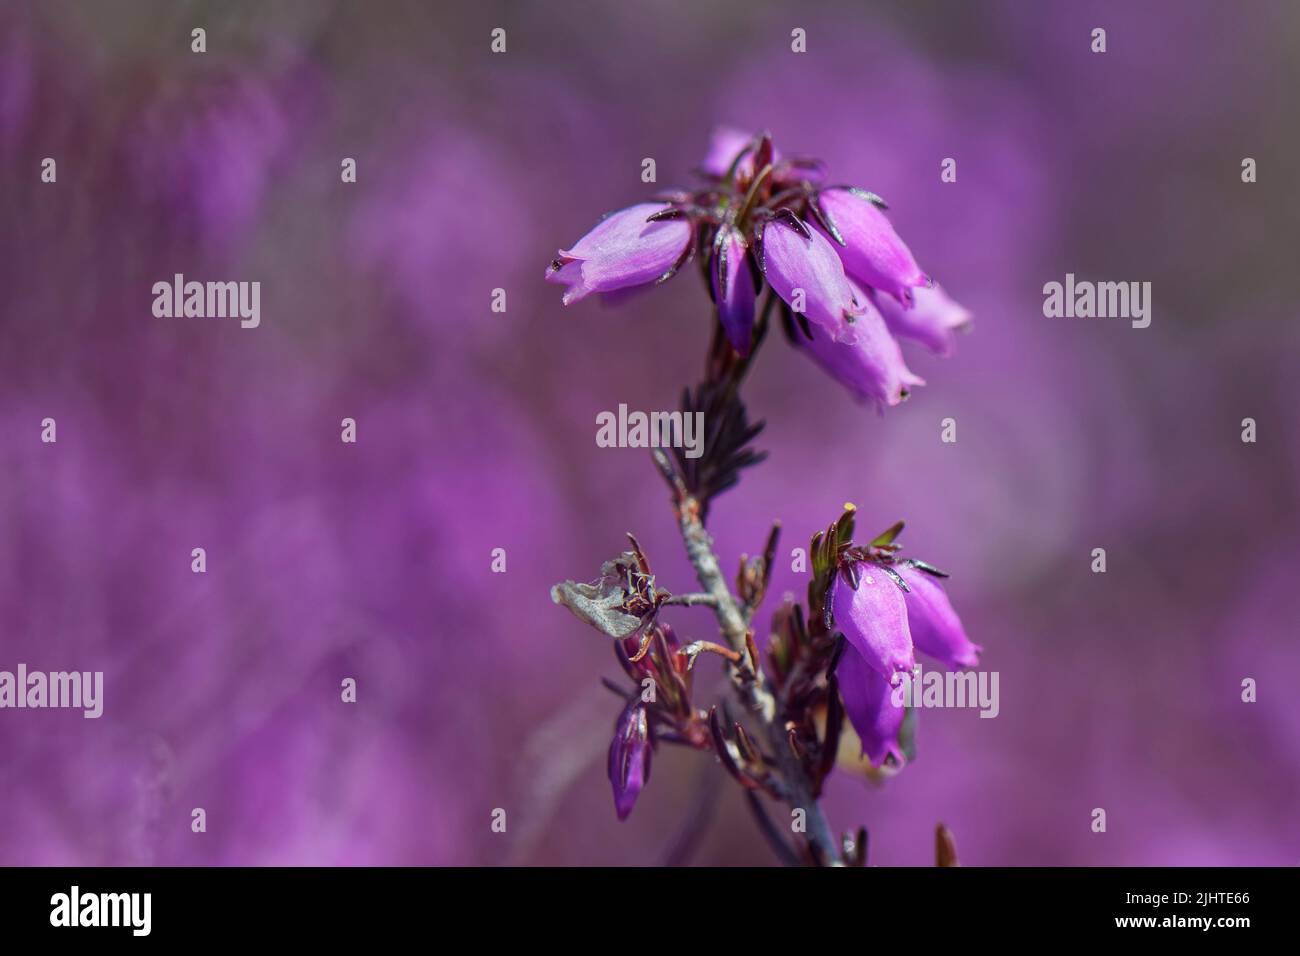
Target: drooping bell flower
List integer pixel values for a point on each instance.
(870, 708)
(935, 627)
(733, 288)
(873, 253)
(629, 756)
(871, 367)
(897, 608)
(932, 320)
(873, 617)
(625, 249)
(802, 267)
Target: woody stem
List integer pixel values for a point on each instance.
(751, 685)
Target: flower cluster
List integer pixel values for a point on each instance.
(870, 612)
(887, 609)
(850, 285)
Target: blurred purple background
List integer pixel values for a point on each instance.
(476, 429)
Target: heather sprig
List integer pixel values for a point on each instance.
(767, 230)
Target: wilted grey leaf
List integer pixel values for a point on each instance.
(602, 603)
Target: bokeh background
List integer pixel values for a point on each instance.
(476, 429)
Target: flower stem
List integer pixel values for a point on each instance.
(690, 600)
(751, 685)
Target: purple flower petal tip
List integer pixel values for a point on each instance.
(622, 251)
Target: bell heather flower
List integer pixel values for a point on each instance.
(629, 756)
(871, 366)
(867, 703)
(935, 627)
(763, 222)
(888, 608)
(931, 321)
(796, 259)
(625, 249)
(872, 615)
(872, 252)
(733, 288)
